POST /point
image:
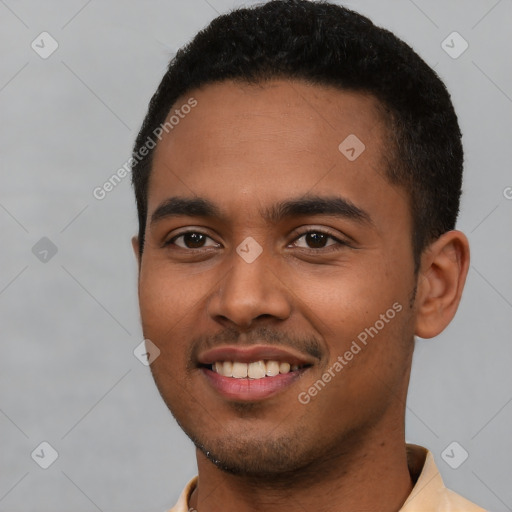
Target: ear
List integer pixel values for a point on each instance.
(442, 275)
(135, 245)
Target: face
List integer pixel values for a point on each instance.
(277, 275)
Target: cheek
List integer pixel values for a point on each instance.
(163, 310)
(346, 300)
(366, 371)
(172, 308)
(166, 303)
(362, 316)
(167, 295)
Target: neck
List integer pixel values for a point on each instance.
(371, 475)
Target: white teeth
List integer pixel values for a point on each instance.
(284, 367)
(254, 370)
(272, 368)
(239, 370)
(227, 369)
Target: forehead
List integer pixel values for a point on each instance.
(251, 144)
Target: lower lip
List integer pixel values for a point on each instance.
(250, 390)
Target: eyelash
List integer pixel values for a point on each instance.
(337, 246)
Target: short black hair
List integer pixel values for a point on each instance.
(329, 45)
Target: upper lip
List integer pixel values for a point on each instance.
(249, 354)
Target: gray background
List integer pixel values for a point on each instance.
(69, 325)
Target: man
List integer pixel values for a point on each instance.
(297, 179)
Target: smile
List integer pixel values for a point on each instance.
(253, 370)
(252, 373)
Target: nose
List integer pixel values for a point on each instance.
(250, 291)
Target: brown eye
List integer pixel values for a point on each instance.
(191, 240)
(316, 240)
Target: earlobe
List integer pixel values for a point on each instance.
(441, 279)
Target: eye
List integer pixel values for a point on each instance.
(316, 239)
(313, 240)
(191, 240)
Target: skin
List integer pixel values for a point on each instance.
(246, 148)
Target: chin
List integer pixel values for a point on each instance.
(251, 452)
(261, 458)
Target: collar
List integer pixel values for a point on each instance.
(429, 493)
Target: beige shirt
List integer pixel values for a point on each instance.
(428, 494)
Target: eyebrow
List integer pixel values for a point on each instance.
(305, 205)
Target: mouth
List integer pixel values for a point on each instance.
(254, 370)
(252, 373)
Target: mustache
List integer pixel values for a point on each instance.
(260, 335)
